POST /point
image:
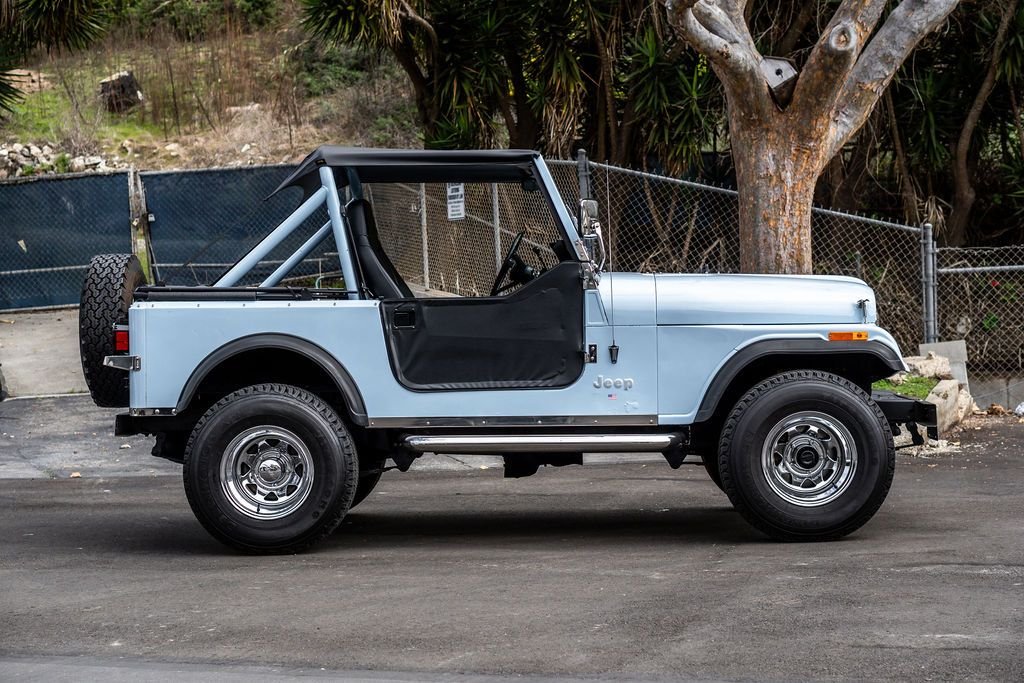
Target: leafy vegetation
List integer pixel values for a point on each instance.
(606, 75)
(914, 386)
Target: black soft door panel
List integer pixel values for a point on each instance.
(531, 338)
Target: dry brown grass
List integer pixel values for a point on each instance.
(231, 99)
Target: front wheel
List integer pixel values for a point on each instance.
(270, 468)
(806, 456)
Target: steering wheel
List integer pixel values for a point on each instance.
(507, 265)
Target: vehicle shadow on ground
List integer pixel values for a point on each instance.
(610, 527)
(390, 530)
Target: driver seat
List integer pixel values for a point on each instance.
(379, 274)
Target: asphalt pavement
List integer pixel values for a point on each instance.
(629, 571)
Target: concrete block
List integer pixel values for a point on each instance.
(956, 352)
(946, 396)
(988, 390)
(1014, 392)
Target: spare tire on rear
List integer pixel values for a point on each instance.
(107, 293)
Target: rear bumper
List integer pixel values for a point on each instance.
(127, 424)
(900, 410)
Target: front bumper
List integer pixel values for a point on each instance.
(900, 410)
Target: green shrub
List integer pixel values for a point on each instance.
(62, 164)
(194, 19)
(323, 69)
(257, 13)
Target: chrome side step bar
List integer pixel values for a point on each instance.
(544, 443)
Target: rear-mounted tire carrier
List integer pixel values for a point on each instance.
(107, 294)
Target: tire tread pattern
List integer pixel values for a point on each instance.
(729, 484)
(104, 303)
(350, 478)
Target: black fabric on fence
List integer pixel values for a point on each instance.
(50, 228)
(204, 221)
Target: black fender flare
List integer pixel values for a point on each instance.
(286, 342)
(873, 349)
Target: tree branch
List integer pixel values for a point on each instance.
(435, 46)
(710, 27)
(964, 193)
(834, 55)
(426, 100)
(903, 29)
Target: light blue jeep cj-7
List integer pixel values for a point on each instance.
(285, 404)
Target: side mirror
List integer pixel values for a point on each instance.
(593, 241)
(588, 211)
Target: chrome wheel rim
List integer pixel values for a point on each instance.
(266, 472)
(809, 459)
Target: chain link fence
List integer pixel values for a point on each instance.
(201, 222)
(461, 256)
(50, 228)
(659, 224)
(980, 296)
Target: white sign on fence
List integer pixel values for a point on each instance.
(456, 201)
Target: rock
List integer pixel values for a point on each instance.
(120, 92)
(898, 379)
(946, 397)
(996, 409)
(17, 147)
(47, 150)
(245, 148)
(931, 365)
(1019, 410)
(35, 151)
(90, 162)
(77, 164)
(965, 405)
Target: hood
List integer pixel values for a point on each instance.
(762, 300)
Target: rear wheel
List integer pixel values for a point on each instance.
(107, 293)
(270, 469)
(710, 461)
(806, 456)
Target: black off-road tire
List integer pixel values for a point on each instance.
(771, 403)
(370, 471)
(710, 461)
(335, 468)
(107, 293)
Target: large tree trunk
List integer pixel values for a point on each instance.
(776, 176)
(780, 151)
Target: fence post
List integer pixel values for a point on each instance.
(925, 260)
(423, 236)
(583, 171)
(933, 287)
(928, 312)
